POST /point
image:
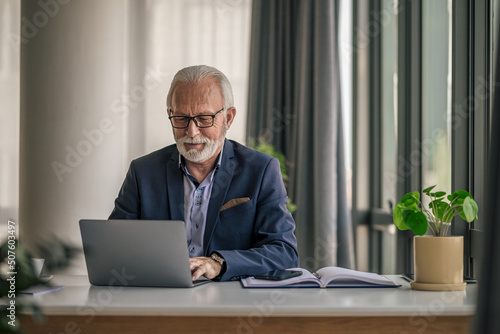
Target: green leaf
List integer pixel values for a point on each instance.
(428, 190)
(411, 207)
(417, 223)
(413, 196)
(469, 210)
(410, 203)
(475, 209)
(462, 194)
(407, 214)
(397, 216)
(438, 194)
(435, 202)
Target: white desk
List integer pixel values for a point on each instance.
(228, 308)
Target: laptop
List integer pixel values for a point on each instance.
(144, 253)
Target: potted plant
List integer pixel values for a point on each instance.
(438, 258)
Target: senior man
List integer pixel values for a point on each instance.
(231, 198)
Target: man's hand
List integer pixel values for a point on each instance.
(204, 266)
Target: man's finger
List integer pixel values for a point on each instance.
(197, 274)
(195, 262)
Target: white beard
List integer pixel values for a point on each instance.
(206, 153)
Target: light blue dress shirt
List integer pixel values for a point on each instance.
(196, 200)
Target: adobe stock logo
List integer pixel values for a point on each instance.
(31, 26)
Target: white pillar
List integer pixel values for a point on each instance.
(73, 146)
(9, 114)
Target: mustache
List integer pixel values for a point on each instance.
(192, 140)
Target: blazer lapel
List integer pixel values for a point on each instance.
(222, 180)
(175, 188)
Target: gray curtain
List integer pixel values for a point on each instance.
(488, 307)
(294, 103)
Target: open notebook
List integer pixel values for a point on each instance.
(328, 277)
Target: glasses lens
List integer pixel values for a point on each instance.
(204, 121)
(180, 122)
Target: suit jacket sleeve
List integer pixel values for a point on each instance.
(127, 204)
(274, 245)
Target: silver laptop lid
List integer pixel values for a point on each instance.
(147, 253)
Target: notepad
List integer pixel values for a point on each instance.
(328, 277)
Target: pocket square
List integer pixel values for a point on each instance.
(234, 202)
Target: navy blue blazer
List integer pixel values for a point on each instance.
(253, 237)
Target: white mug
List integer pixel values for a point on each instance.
(37, 265)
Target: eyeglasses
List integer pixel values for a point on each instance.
(201, 121)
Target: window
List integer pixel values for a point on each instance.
(388, 108)
(426, 74)
(436, 94)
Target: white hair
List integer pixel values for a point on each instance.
(195, 74)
